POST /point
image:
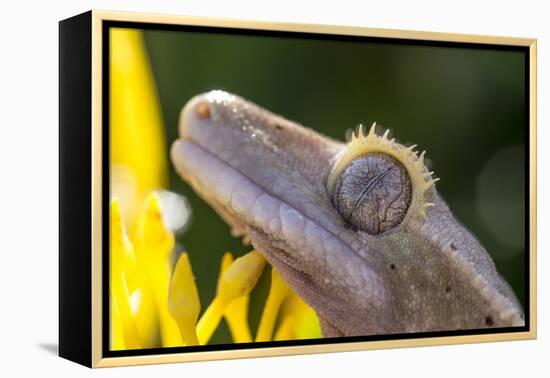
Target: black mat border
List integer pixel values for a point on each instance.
(106, 25)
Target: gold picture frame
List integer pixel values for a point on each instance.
(87, 32)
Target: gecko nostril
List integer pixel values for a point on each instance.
(203, 110)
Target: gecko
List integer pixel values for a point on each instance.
(357, 229)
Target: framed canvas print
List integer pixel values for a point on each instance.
(237, 188)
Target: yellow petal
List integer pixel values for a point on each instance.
(241, 277)
(138, 158)
(121, 308)
(124, 332)
(146, 316)
(151, 233)
(236, 313)
(277, 294)
(238, 280)
(286, 329)
(210, 320)
(122, 257)
(183, 299)
(117, 338)
(124, 261)
(227, 260)
(304, 319)
(153, 244)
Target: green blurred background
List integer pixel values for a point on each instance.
(464, 106)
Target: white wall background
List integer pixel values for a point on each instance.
(29, 188)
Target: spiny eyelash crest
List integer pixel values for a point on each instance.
(360, 144)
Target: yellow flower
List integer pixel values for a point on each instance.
(152, 304)
(183, 300)
(169, 302)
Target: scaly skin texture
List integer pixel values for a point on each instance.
(266, 177)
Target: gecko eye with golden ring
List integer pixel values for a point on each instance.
(378, 185)
(373, 193)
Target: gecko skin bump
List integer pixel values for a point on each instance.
(366, 241)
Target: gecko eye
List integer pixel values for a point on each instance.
(373, 193)
(377, 184)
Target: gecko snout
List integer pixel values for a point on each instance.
(203, 111)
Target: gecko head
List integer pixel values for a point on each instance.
(335, 220)
(267, 178)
